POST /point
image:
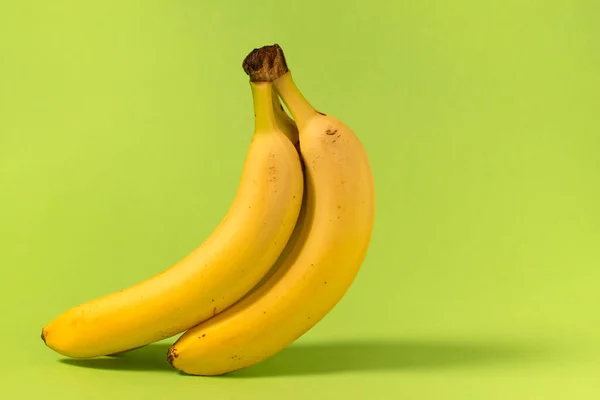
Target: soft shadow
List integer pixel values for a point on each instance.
(152, 357)
(335, 357)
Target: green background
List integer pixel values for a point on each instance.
(124, 126)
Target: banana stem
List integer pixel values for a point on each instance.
(262, 97)
(295, 101)
(284, 121)
(280, 113)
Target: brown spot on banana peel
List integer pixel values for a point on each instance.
(172, 355)
(330, 131)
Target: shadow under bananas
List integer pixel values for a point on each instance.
(152, 357)
(364, 356)
(335, 357)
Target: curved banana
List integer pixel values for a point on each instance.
(289, 128)
(320, 262)
(228, 264)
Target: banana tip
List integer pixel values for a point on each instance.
(172, 355)
(43, 336)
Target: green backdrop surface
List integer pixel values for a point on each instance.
(124, 126)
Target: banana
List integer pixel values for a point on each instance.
(289, 128)
(228, 264)
(321, 260)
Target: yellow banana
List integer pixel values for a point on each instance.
(228, 264)
(321, 260)
(289, 128)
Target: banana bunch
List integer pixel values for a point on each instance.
(283, 256)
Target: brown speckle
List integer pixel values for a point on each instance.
(330, 131)
(203, 335)
(264, 312)
(172, 355)
(214, 311)
(213, 300)
(326, 282)
(320, 112)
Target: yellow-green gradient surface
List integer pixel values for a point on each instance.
(124, 126)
